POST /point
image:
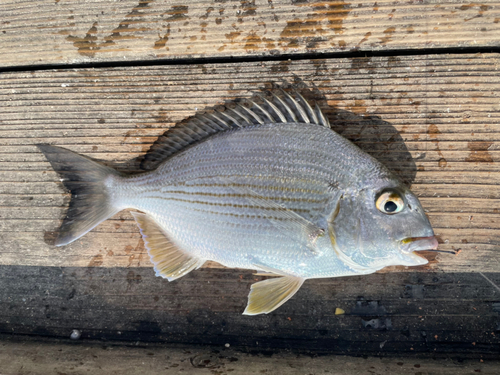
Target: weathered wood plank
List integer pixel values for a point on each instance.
(69, 32)
(61, 357)
(385, 314)
(438, 114)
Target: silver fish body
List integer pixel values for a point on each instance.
(208, 197)
(289, 198)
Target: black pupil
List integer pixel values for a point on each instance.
(390, 206)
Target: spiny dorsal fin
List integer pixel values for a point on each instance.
(169, 260)
(277, 106)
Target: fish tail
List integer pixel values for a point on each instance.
(86, 180)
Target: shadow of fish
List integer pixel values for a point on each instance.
(264, 184)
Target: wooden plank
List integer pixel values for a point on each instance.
(385, 314)
(433, 119)
(70, 32)
(41, 357)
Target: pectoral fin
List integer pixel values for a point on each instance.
(266, 296)
(169, 260)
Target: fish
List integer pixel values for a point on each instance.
(262, 184)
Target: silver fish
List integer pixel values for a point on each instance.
(263, 185)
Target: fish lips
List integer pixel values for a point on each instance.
(418, 244)
(410, 245)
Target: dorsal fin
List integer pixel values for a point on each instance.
(277, 106)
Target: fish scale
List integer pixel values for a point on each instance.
(229, 211)
(249, 189)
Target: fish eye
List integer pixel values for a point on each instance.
(389, 202)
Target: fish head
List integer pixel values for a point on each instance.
(381, 225)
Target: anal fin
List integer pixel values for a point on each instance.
(266, 296)
(169, 260)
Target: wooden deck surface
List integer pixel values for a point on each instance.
(433, 118)
(67, 32)
(33, 357)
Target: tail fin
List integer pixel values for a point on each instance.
(85, 179)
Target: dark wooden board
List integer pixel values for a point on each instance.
(385, 314)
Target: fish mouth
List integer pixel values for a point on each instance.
(409, 245)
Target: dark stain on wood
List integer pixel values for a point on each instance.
(87, 45)
(365, 38)
(49, 237)
(283, 66)
(247, 8)
(136, 13)
(336, 14)
(366, 63)
(479, 152)
(162, 41)
(388, 35)
(132, 277)
(252, 42)
(309, 30)
(96, 261)
(177, 13)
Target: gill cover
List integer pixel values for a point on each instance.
(365, 238)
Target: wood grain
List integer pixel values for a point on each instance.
(442, 111)
(34, 32)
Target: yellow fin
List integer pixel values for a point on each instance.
(169, 260)
(266, 296)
